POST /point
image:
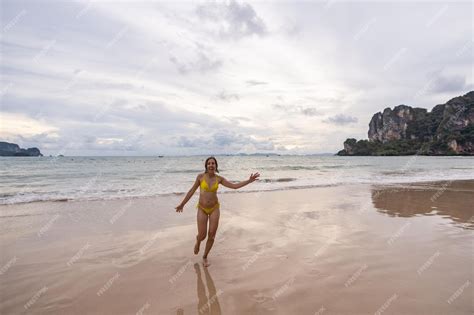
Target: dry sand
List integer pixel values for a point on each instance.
(399, 249)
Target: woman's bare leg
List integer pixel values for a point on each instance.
(202, 229)
(213, 224)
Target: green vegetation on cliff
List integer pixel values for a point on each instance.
(447, 130)
(396, 147)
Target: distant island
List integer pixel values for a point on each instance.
(447, 130)
(12, 149)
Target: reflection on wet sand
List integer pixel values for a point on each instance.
(207, 304)
(428, 199)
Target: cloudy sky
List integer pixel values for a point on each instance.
(156, 77)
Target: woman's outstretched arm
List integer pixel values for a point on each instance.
(190, 193)
(252, 178)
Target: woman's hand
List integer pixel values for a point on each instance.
(253, 177)
(179, 208)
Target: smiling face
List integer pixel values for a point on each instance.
(211, 165)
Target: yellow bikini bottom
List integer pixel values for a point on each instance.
(208, 210)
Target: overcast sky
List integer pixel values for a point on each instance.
(154, 77)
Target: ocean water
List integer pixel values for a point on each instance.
(30, 179)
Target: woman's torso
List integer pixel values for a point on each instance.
(208, 198)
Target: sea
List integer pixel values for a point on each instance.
(69, 178)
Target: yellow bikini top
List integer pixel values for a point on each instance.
(205, 186)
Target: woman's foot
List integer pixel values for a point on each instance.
(196, 247)
(205, 262)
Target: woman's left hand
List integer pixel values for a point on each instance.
(253, 177)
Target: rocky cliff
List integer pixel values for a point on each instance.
(447, 129)
(12, 149)
(393, 124)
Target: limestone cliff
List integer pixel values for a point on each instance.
(393, 124)
(447, 129)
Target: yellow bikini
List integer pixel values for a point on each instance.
(205, 187)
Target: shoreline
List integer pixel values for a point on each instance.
(166, 195)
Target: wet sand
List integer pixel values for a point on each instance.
(398, 249)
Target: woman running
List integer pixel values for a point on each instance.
(208, 206)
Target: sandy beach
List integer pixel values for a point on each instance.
(348, 249)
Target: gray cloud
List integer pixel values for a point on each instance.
(124, 127)
(45, 139)
(202, 64)
(455, 83)
(296, 109)
(291, 28)
(119, 125)
(234, 20)
(340, 119)
(281, 148)
(113, 86)
(84, 138)
(186, 142)
(255, 82)
(224, 96)
(310, 111)
(236, 120)
(225, 140)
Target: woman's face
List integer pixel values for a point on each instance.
(211, 166)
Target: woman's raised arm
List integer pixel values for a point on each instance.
(252, 178)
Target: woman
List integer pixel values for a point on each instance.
(208, 206)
